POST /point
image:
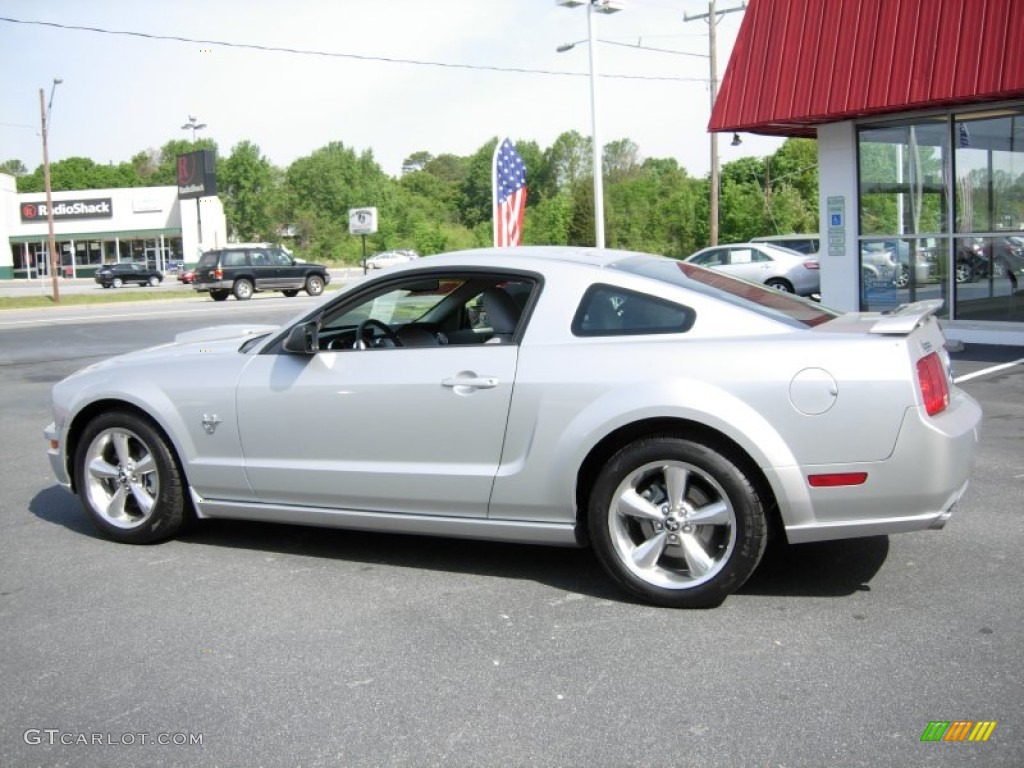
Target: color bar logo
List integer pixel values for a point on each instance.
(958, 730)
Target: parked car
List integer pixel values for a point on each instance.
(390, 258)
(664, 414)
(890, 261)
(187, 276)
(775, 266)
(242, 270)
(117, 275)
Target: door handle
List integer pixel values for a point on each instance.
(464, 382)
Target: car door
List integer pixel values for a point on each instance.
(746, 264)
(287, 274)
(413, 430)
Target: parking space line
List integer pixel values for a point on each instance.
(987, 371)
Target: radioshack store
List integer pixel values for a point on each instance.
(104, 226)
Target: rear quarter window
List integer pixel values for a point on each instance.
(609, 311)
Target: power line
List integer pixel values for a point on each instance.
(338, 55)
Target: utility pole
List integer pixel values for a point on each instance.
(44, 115)
(713, 16)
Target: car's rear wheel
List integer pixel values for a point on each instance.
(963, 273)
(128, 479)
(242, 290)
(314, 285)
(290, 293)
(117, 282)
(779, 284)
(676, 522)
(154, 281)
(219, 295)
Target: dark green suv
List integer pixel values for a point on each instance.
(243, 270)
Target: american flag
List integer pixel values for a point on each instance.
(509, 195)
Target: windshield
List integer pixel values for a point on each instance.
(769, 302)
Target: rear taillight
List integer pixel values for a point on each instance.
(811, 264)
(933, 383)
(218, 273)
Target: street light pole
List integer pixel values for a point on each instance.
(194, 125)
(44, 111)
(597, 150)
(595, 140)
(712, 16)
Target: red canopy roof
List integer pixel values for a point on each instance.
(799, 63)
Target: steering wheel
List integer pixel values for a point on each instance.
(368, 322)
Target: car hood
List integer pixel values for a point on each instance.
(224, 332)
(206, 342)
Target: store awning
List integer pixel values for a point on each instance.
(799, 63)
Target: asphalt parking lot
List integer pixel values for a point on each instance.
(257, 644)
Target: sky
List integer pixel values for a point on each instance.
(486, 68)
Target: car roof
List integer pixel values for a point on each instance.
(535, 256)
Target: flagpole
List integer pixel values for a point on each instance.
(494, 191)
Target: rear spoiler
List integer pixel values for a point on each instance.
(906, 317)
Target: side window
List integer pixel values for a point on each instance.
(279, 258)
(234, 258)
(741, 256)
(609, 311)
(715, 258)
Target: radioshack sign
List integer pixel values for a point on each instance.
(93, 208)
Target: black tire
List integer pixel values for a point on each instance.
(220, 295)
(242, 290)
(290, 293)
(660, 551)
(779, 284)
(128, 479)
(314, 285)
(154, 281)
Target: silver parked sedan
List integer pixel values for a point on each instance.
(775, 266)
(662, 413)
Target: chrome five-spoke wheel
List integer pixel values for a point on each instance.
(128, 479)
(673, 525)
(677, 522)
(121, 478)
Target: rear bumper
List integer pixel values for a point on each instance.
(212, 285)
(914, 489)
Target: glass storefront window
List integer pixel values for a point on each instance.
(902, 191)
(989, 163)
(919, 181)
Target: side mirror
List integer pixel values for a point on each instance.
(303, 339)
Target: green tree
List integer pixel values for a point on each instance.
(246, 187)
(13, 167)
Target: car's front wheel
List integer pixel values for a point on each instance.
(314, 285)
(128, 479)
(676, 522)
(242, 290)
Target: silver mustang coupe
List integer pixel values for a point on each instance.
(664, 414)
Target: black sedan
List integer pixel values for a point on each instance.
(116, 275)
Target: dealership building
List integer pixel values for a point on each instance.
(103, 226)
(918, 110)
